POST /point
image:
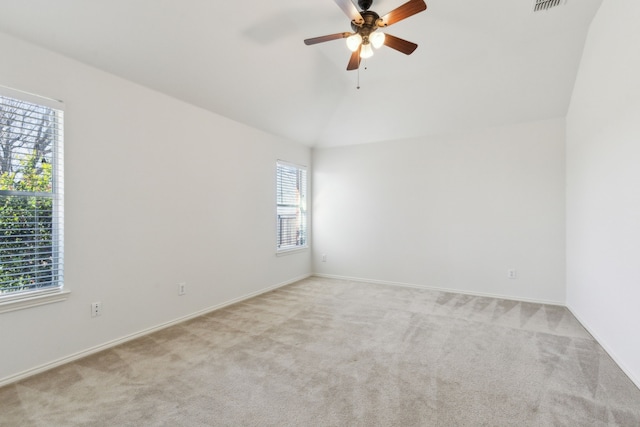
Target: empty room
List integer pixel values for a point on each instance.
(319, 213)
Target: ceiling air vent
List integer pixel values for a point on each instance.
(540, 5)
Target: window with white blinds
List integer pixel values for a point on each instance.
(31, 195)
(291, 191)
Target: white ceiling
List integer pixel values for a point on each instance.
(479, 63)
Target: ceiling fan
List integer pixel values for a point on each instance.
(365, 24)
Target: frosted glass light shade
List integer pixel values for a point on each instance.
(366, 51)
(353, 42)
(377, 39)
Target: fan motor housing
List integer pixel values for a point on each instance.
(369, 25)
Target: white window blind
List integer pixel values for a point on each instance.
(31, 194)
(291, 206)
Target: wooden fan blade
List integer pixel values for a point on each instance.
(399, 44)
(350, 10)
(327, 38)
(408, 9)
(354, 61)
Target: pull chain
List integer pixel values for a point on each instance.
(365, 67)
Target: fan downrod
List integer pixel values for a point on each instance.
(365, 4)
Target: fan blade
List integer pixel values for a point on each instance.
(354, 61)
(350, 10)
(408, 9)
(323, 39)
(399, 44)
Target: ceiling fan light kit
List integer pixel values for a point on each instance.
(354, 41)
(365, 24)
(377, 40)
(366, 51)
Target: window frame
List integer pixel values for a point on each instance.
(35, 297)
(301, 207)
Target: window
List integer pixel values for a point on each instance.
(291, 197)
(31, 197)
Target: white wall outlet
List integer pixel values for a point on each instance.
(182, 288)
(324, 257)
(96, 309)
(512, 274)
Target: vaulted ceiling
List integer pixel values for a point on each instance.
(479, 63)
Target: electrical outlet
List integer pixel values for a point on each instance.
(324, 257)
(96, 309)
(512, 274)
(182, 288)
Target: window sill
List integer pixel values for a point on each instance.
(291, 251)
(32, 299)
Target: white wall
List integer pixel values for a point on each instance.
(603, 184)
(157, 192)
(452, 212)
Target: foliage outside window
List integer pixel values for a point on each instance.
(291, 191)
(31, 256)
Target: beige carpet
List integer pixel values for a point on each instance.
(335, 353)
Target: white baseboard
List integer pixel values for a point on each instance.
(606, 347)
(435, 288)
(84, 353)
